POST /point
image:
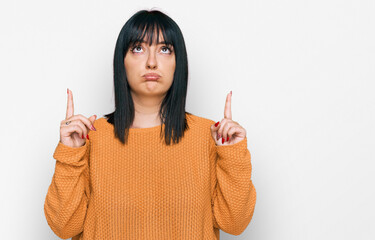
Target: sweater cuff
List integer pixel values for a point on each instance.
(234, 153)
(224, 149)
(71, 155)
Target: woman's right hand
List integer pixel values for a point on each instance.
(74, 134)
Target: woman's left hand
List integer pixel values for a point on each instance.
(227, 131)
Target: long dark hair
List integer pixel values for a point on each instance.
(172, 111)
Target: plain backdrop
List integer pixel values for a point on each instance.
(302, 76)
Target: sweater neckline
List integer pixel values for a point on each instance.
(137, 130)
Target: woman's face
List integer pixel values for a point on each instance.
(144, 59)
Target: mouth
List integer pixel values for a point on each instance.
(151, 76)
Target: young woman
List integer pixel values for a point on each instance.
(150, 170)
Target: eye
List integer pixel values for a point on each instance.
(166, 48)
(136, 47)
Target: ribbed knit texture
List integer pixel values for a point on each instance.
(148, 190)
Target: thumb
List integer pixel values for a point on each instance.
(214, 133)
(92, 118)
(215, 128)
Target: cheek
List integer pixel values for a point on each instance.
(172, 67)
(126, 64)
(130, 67)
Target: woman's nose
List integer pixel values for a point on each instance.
(151, 61)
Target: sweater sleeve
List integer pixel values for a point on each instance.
(234, 195)
(68, 195)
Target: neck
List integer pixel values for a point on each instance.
(146, 111)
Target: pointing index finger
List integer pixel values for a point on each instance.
(227, 109)
(70, 105)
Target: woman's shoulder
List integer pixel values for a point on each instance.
(199, 121)
(101, 124)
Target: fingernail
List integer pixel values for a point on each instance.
(67, 90)
(87, 136)
(227, 138)
(92, 127)
(222, 141)
(217, 124)
(82, 136)
(230, 92)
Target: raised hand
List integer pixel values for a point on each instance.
(227, 131)
(75, 128)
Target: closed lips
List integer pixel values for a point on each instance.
(151, 76)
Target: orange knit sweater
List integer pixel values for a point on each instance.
(148, 190)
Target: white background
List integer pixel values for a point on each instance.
(302, 75)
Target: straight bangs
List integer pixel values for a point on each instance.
(145, 29)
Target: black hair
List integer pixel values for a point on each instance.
(172, 111)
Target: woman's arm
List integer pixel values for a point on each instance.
(234, 195)
(68, 195)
